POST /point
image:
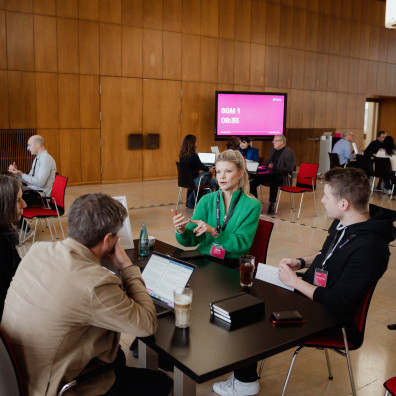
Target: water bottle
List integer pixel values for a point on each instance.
(143, 241)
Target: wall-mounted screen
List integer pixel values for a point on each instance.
(258, 115)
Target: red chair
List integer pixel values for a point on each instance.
(338, 341)
(306, 183)
(52, 207)
(260, 243)
(390, 386)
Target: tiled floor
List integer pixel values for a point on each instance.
(372, 364)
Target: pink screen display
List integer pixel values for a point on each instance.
(244, 114)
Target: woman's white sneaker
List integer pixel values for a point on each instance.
(233, 387)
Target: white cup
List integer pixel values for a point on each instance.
(182, 298)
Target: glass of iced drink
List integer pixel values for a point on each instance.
(182, 303)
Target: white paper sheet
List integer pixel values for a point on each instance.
(268, 273)
(125, 234)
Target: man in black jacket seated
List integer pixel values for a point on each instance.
(353, 258)
(375, 145)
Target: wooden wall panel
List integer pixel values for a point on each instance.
(70, 154)
(381, 78)
(286, 27)
(209, 59)
(132, 51)
(331, 109)
(272, 32)
(271, 66)
(243, 12)
(132, 107)
(110, 11)
(90, 155)
(171, 65)
(67, 38)
(152, 53)
(372, 78)
(354, 48)
(110, 49)
(374, 42)
(323, 33)
(333, 72)
(311, 33)
(160, 163)
(242, 63)
(172, 15)
(308, 109)
(345, 38)
(257, 64)
(392, 48)
(132, 12)
(322, 65)
(51, 138)
(67, 8)
(88, 9)
(152, 14)
(320, 110)
(363, 75)
(259, 15)
(69, 100)
(3, 41)
(364, 41)
(227, 19)
(226, 61)
(310, 70)
(335, 36)
(206, 115)
(191, 16)
(22, 99)
(47, 100)
(285, 67)
(298, 62)
(20, 49)
(45, 45)
(386, 116)
(383, 45)
(353, 75)
(19, 5)
(191, 51)
(343, 74)
(299, 28)
(296, 98)
(190, 109)
(209, 18)
(350, 111)
(89, 101)
(88, 48)
(342, 100)
(4, 111)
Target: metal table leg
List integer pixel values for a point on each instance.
(182, 384)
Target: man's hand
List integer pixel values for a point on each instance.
(294, 264)
(14, 170)
(287, 275)
(179, 222)
(119, 258)
(203, 228)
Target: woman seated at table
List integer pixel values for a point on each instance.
(224, 222)
(188, 155)
(11, 209)
(389, 151)
(249, 153)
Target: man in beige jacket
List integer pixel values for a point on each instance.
(64, 312)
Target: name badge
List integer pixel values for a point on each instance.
(320, 277)
(217, 251)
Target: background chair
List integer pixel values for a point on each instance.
(334, 160)
(364, 163)
(260, 243)
(10, 379)
(382, 168)
(338, 341)
(390, 386)
(51, 208)
(306, 183)
(185, 180)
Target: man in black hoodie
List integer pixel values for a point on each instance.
(353, 258)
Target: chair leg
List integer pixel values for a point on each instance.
(290, 368)
(49, 226)
(391, 194)
(314, 201)
(349, 362)
(302, 196)
(261, 368)
(35, 228)
(178, 199)
(60, 223)
(372, 186)
(292, 201)
(386, 393)
(53, 224)
(277, 204)
(328, 364)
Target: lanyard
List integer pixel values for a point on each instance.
(334, 244)
(230, 212)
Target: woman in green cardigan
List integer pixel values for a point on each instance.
(224, 222)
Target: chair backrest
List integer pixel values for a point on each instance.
(260, 243)
(365, 163)
(382, 167)
(307, 175)
(184, 176)
(58, 191)
(10, 380)
(334, 160)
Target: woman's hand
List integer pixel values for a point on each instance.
(294, 264)
(179, 221)
(203, 228)
(287, 275)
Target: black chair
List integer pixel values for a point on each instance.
(364, 163)
(185, 180)
(334, 160)
(382, 168)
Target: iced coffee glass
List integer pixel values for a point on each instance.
(182, 303)
(246, 269)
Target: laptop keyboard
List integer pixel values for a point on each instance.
(159, 308)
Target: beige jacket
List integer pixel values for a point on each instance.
(63, 309)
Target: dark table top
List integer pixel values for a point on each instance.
(207, 350)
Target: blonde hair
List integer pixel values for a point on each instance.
(236, 158)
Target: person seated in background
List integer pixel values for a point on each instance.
(249, 153)
(64, 312)
(224, 222)
(281, 161)
(42, 175)
(188, 155)
(11, 209)
(344, 148)
(388, 151)
(375, 145)
(233, 143)
(353, 258)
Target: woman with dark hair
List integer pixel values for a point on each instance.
(11, 209)
(188, 155)
(248, 152)
(388, 151)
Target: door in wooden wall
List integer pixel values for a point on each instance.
(121, 108)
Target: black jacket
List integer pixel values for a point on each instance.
(195, 164)
(358, 262)
(373, 148)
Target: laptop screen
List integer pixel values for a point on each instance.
(163, 274)
(207, 158)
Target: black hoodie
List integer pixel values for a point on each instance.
(358, 262)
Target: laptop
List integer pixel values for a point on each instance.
(252, 166)
(215, 149)
(355, 149)
(162, 274)
(208, 159)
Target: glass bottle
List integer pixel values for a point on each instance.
(143, 241)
